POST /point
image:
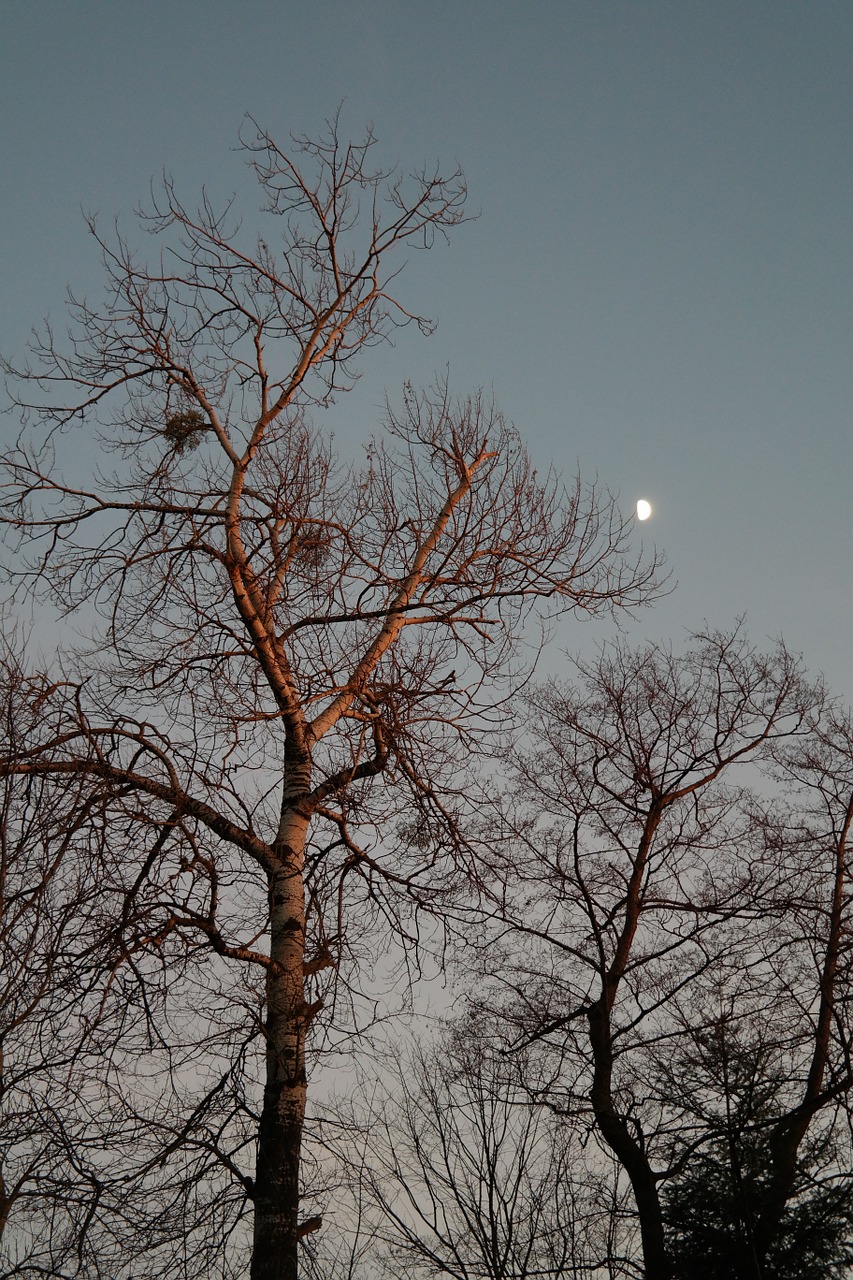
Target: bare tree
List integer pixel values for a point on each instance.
(460, 1177)
(813, 835)
(296, 655)
(50, 897)
(82, 1154)
(639, 875)
(782, 1024)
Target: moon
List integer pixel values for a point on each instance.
(644, 509)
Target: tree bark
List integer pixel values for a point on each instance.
(624, 1145)
(613, 1126)
(276, 1231)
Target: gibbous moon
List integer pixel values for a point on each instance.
(644, 509)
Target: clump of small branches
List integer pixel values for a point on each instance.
(184, 429)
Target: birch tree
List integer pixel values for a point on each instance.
(295, 656)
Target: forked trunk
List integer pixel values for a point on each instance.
(276, 1233)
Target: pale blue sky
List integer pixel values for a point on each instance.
(660, 281)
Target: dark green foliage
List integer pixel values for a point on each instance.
(712, 1213)
(714, 1208)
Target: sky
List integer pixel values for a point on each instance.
(657, 287)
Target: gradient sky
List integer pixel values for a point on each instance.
(658, 286)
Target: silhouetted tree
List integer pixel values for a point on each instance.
(49, 856)
(461, 1177)
(296, 655)
(636, 876)
(714, 1207)
(95, 1168)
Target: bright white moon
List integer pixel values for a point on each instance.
(644, 509)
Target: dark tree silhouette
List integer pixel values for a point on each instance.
(713, 1209)
(465, 1179)
(637, 877)
(296, 656)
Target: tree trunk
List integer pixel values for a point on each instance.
(787, 1136)
(629, 1152)
(612, 1126)
(276, 1234)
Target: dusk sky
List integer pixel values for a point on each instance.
(659, 285)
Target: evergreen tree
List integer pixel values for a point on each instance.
(714, 1207)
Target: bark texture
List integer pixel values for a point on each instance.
(276, 1230)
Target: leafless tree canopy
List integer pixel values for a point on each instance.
(652, 893)
(458, 1175)
(294, 657)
